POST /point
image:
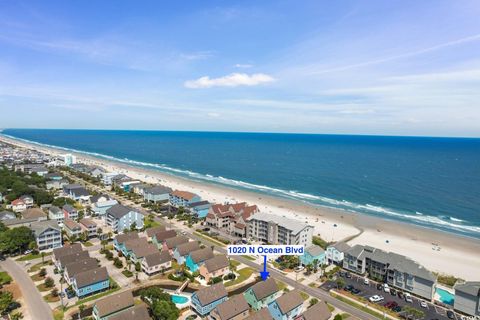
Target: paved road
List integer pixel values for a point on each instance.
(314, 292)
(37, 307)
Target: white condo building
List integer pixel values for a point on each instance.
(275, 229)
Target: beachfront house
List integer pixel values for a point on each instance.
(274, 229)
(196, 258)
(335, 253)
(287, 307)
(183, 198)
(69, 212)
(313, 255)
(230, 218)
(199, 209)
(55, 213)
(235, 308)
(101, 203)
(206, 299)
(467, 298)
(156, 194)
(319, 311)
(120, 217)
(181, 252)
(160, 237)
(216, 267)
(107, 178)
(396, 270)
(156, 262)
(47, 233)
(261, 294)
(91, 281)
(112, 305)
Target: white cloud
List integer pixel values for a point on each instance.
(243, 66)
(213, 114)
(231, 80)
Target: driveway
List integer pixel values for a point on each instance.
(34, 301)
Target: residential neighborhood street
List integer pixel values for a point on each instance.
(33, 299)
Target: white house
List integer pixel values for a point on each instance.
(48, 234)
(335, 252)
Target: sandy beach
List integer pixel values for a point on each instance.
(438, 251)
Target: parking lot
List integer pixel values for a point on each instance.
(432, 312)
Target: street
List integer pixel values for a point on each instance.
(34, 301)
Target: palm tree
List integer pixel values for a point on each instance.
(315, 265)
(43, 257)
(81, 308)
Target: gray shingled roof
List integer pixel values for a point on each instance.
(76, 267)
(91, 276)
(158, 190)
(152, 231)
(118, 210)
(174, 242)
(68, 208)
(210, 294)
(265, 288)
(164, 235)
(262, 314)
(216, 263)
(114, 303)
(121, 238)
(139, 312)
(470, 287)
(231, 308)
(289, 301)
(55, 210)
(315, 250)
(77, 256)
(5, 215)
(67, 250)
(157, 258)
(341, 246)
(185, 248)
(40, 226)
(317, 312)
(201, 255)
(295, 226)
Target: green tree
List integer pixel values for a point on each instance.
(49, 282)
(340, 283)
(138, 266)
(338, 316)
(16, 240)
(3, 228)
(165, 310)
(5, 299)
(313, 301)
(133, 227)
(43, 272)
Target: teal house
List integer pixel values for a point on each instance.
(196, 258)
(91, 281)
(206, 299)
(288, 307)
(261, 294)
(311, 254)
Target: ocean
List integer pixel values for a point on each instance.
(431, 182)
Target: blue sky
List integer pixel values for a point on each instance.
(361, 67)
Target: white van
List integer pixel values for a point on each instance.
(386, 288)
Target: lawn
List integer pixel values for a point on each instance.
(96, 296)
(218, 243)
(5, 278)
(38, 266)
(41, 287)
(235, 263)
(50, 298)
(249, 258)
(151, 224)
(304, 296)
(32, 256)
(127, 273)
(37, 277)
(358, 306)
(244, 274)
(88, 244)
(57, 314)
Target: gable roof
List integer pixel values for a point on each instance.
(319, 311)
(158, 190)
(152, 231)
(55, 210)
(262, 314)
(118, 211)
(38, 227)
(173, 242)
(124, 237)
(234, 306)
(164, 235)
(67, 250)
(97, 197)
(144, 250)
(470, 287)
(216, 263)
(342, 246)
(92, 276)
(315, 250)
(201, 255)
(265, 288)
(76, 267)
(184, 194)
(70, 224)
(88, 222)
(185, 248)
(5, 215)
(68, 208)
(210, 294)
(157, 258)
(64, 260)
(139, 312)
(114, 303)
(289, 301)
(33, 213)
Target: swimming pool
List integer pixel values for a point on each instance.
(445, 296)
(179, 299)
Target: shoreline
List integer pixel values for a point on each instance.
(459, 255)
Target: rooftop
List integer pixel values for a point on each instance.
(114, 303)
(234, 306)
(210, 294)
(294, 226)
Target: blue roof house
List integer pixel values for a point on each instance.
(200, 209)
(311, 254)
(206, 299)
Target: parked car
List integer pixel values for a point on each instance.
(366, 281)
(391, 304)
(450, 314)
(348, 275)
(349, 288)
(393, 292)
(386, 288)
(397, 309)
(401, 295)
(376, 298)
(356, 291)
(299, 268)
(379, 286)
(408, 298)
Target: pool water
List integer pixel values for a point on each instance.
(179, 299)
(445, 296)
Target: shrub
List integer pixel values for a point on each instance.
(338, 316)
(49, 282)
(43, 272)
(118, 263)
(215, 280)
